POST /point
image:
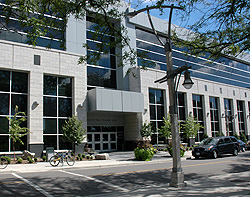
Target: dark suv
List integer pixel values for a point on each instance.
(214, 146)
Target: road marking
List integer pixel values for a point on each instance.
(33, 185)
(97, 180)
(12, 182)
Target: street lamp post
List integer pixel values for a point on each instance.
(177, 175)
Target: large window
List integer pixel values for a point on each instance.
(156, 110)
(229, 117)
(181, 105)
(214, 116)
(198, 113)
(57, 107)
(223, 70)
(13, 92)
(241, 120)
(102, 72)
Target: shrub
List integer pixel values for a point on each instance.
(83, 155)
(235, 135)
(19, 160)
(144, 152)
(35, 159)
(91, 157)
(77, 158)
(30, 160)
(7, 158)
(44, 158)
(182, 150)
(88, 157)
(243, 137)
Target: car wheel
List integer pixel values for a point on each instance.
(196, 157)
(243, 149)
(214, 154)
(235, 153)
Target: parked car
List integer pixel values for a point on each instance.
(214, 146)
(242, 145)
(248, 145)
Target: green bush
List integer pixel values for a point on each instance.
(182, 150)
(235, 135)
(77, 158)
(88, 157)
(7, 158)
(91, 157)
(83, 156)
(144, 152)
(19, 160)
(243, 137)
(35, 159)
(44, 158)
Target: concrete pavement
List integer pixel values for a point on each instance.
(233, 184)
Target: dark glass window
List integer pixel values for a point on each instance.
(20, 101)
(4, 104)
(240, 112)
(64, 86)
(58, 106)
(19, 82)
(214, 115)
(4, 128)
(4, 81)
(49, 125)
(49, 106)
(65, 107)
(228, 116)
(94, 129)
(4, 143)
(49, 85)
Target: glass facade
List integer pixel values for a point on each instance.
(15, 33)
(229, 117)
(102, 72)
(223, 70)
(57, 107)
(214, 116)
(181, 105)
(157, 112)
(198, 113)
(13, 92)
(241, 119)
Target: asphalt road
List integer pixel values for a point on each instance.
(115, 181)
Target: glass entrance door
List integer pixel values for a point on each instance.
(103, 138)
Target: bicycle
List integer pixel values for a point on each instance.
(4, 162)
(60, 158)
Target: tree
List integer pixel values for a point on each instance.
(165, 130)
(191, 127)
(73, 131)
(33, 18)
(223, 27)
(16, 131)
(146, 130)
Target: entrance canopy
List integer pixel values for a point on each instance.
(101, 99)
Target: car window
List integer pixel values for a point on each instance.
(227, 140)
(221, 141)
(208, 141)
(233, 139)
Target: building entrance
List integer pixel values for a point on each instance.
(105, 138)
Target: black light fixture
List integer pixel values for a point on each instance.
(188, 83)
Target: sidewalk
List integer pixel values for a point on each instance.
(116, 158)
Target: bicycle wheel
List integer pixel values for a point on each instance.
(70, 160)
(4, 163)
(54, 160)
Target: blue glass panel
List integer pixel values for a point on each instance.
(4, 80)
(101, 77)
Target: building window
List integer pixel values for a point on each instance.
(240, 112)
(102, 72)
(13, 91)
(205, 87)
(214, 115)
(156, 110)
(229, 117)
(181, 112)
(198, 113)
(57, 107)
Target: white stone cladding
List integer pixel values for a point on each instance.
(20, 57)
